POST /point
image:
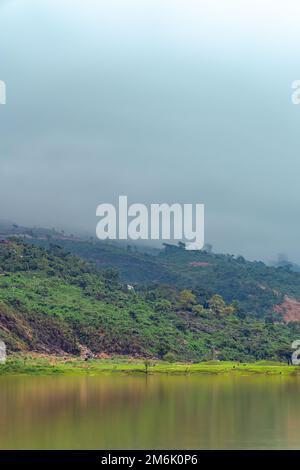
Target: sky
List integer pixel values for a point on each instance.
(160, 100)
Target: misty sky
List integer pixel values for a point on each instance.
(161, 100)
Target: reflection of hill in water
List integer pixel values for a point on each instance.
(154, 412)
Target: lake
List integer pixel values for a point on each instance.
(154, 412)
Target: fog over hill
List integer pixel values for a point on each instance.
(203, 115)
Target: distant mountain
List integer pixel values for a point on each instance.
(10, 229)
(287, 265)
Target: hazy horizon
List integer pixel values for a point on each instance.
(185, 102)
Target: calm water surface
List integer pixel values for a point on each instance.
(119, 412)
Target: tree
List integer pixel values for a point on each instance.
(187, 298)
(147, 364)
(199, 310)
(217, 304)
(111, 278)
(169, 357)
(285, 354)
(208, 248)
(181, 245)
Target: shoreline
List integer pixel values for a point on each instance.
(50, 365)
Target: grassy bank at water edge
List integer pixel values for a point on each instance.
(49, 365)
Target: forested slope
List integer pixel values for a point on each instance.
(55, 302)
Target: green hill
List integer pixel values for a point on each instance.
(53, 301)
(257, 288)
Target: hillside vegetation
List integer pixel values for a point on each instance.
(54, 302)
(257, 288)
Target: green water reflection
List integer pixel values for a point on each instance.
(119, 412)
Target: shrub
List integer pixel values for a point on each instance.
(169, 357)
